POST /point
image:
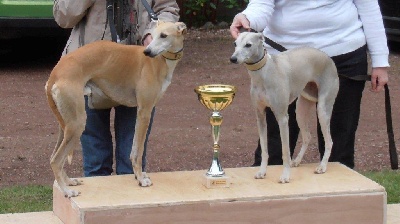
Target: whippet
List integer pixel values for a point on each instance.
(128, 75)
(303, 73)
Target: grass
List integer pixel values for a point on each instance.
(390, 179)
(31, 198)
(34, 198)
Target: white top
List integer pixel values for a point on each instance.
(333, 26)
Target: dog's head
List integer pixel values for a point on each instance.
(167, 36)
(248, 48)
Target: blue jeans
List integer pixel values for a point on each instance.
(97, 144)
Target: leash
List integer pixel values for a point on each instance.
(110, 17)
(394, 163)
(152, 14)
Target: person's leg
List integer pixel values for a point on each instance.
(346, 110)
(124, 125)
(274, 138)
(96, 140)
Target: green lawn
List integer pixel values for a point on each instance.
(32, 198)
(390, 179)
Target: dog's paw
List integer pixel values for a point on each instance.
(260, 175)
(320, 169)
(284, 180)
(71, 193)
(285, 177)
(295, 163)
(145, 181)
(74, 182)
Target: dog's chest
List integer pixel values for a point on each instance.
(260, 95)
(168, 78)
(268, 86)
(166, 82)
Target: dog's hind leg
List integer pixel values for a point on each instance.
(142, 124)
(324, 116)
(63, 174)
(327, 93)
(59, 140)
(303, 112)
(72, 111)
(57, 161)
(262, 130)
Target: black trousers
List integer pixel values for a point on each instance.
(344, 121)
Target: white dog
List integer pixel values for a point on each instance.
(126, 75)
(304, 73)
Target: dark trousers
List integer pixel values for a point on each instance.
(344, 121)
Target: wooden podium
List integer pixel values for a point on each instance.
(339, 196)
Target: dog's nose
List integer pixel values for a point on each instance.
(233, 59)
(147, 52)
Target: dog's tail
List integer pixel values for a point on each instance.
(50, 100)
(53, 106)
(310, 92)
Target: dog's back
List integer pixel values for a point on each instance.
(308, 69)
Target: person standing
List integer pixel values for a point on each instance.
(90, 22)
(345, 30)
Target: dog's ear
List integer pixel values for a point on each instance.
(181, 28)
(159, 22)
(261, 36)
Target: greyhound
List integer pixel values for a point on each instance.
(304, 73)
(128, 75)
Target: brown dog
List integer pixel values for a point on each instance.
(128, 75)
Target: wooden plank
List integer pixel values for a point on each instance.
(339, 196)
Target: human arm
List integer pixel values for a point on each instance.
(374, 30)
(379, 77)
(166, 10)
(239, 21)
(255, 16)
(68, 13)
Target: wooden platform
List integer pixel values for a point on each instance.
(339, 196)
(48, 217)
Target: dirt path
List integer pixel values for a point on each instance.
(180, 138)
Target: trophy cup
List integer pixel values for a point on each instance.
(216, 97)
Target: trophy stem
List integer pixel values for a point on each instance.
(215, 169)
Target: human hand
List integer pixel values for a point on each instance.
(239, 21)
(379, 78)
(147, 40)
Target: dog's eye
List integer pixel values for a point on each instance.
(247, 45)
(234, 44)
(163, 35)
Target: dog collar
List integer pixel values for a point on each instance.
(173, 56)
(258, 65)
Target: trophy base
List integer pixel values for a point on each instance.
(216, 182)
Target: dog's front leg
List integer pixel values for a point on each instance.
(283, 119)
(262, 130)
(142, 124)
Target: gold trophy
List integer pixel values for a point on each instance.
(216, 97)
